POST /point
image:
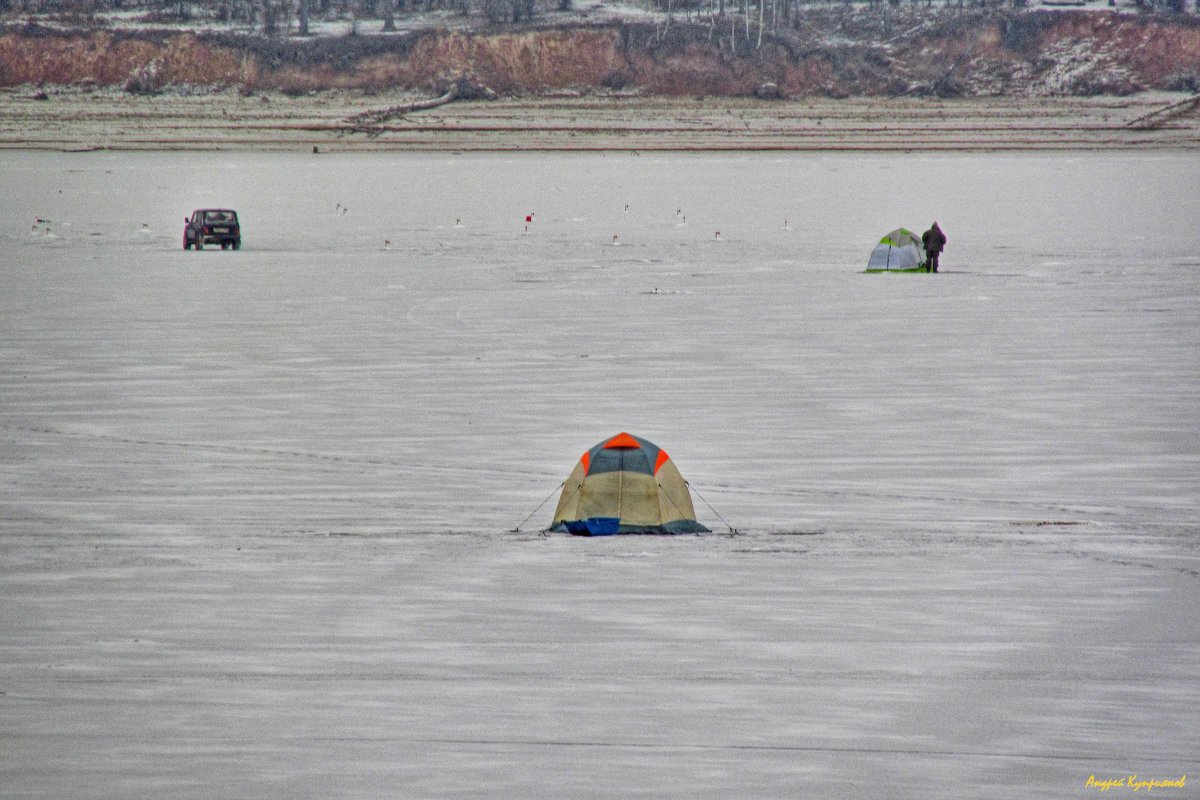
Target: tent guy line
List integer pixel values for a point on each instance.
(710, 506)
(517, 529)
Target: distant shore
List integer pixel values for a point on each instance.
(79, 119)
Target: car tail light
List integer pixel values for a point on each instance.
(206, 230)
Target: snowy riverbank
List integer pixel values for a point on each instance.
(97, 119)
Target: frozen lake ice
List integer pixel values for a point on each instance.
(257, 508)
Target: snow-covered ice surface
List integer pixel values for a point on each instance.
(257, 507)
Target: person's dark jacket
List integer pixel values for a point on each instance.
(933, 239)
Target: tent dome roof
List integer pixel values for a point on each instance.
(625, 484)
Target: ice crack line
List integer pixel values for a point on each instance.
(769, 748)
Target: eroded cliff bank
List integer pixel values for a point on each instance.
(830, 53)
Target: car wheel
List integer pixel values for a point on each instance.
(186, 244)
(237, 245)
(199, 242)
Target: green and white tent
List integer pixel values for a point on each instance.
(899, 251)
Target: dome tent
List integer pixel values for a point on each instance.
(899, 251)
(625, 484)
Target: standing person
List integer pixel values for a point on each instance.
(934, 241)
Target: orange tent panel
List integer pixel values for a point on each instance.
(622, 441)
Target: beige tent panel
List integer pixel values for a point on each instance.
(627, 495)
(675, 501)
(568, 501)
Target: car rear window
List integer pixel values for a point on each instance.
(220, 216)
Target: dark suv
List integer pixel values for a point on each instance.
(212, 226)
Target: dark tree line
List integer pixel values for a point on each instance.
(745, 20)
